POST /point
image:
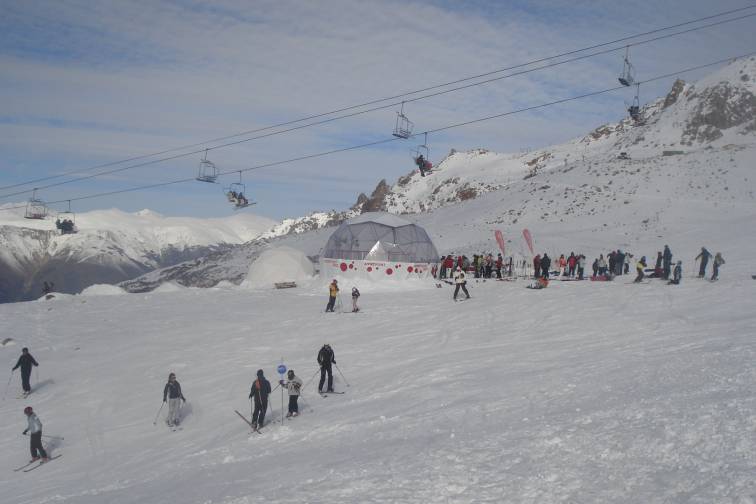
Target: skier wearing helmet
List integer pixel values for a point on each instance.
(459, 280)
(294, 385)
(35, 431)
(333, 291)
(172, 393)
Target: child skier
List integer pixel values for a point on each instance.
(35, 430)
(172, 392)
(355, 295)
(676, 274)
(294, 385)
(718, 261)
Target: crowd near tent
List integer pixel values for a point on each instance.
(379, 245)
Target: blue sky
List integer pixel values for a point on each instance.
(86, 83)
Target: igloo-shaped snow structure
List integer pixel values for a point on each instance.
(378, 245)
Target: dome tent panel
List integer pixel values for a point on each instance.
(379, 244)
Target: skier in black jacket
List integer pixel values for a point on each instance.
(704, 256)
(25, 362)
(667, 259)
(326, 357)
(259, 393)
(172, 393)
(545, 265)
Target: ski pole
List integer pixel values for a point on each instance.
(305, 403)
(342, 374)
(310, 380)
(8, 385)
(158, 413)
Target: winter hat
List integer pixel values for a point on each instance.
(259, 373)
(28, 410)
(24, 350)
(291, 374)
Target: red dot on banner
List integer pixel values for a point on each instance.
(389, 271)
(351, 266)
(409, 269)
(343, 267)
(370, 268)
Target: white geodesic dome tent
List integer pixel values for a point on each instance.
(378, 243)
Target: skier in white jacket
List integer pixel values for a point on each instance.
(459, 280)
(34, 428)
(294, 385)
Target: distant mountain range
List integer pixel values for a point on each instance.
(109, 247)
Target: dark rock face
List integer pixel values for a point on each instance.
(674, 93)
(377, 200)
(719, 107)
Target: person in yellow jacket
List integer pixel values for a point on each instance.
(333, 291)
(639, 267)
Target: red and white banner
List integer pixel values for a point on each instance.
(500, 241)
(528, 240)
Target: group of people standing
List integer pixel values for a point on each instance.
(261, 390)
(333, 293)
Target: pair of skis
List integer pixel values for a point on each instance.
(31, 465)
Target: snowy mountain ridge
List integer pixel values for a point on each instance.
(110, 246)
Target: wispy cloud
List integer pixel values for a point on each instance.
(89, 82)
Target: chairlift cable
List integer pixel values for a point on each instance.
(388, 140)
(372, 102)
(360, 112)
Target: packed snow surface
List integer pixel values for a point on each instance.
(583, 392)
(103, 290)
(279, 264)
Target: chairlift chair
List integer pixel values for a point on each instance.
(236, 194)
(424, 151)
(634, 109)
(403, 127)
(627, 78)
(35, 208)
(208, 172)
(66, 221)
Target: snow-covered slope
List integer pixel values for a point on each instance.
(585, 392)
(110, 246)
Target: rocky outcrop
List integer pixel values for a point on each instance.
(377, 200)
(718, 108)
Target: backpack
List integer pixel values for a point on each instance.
(355, 292)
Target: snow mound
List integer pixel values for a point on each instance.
(169, 287)
(280, 264)
(102, 290)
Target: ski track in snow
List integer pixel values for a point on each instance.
(583, 392)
